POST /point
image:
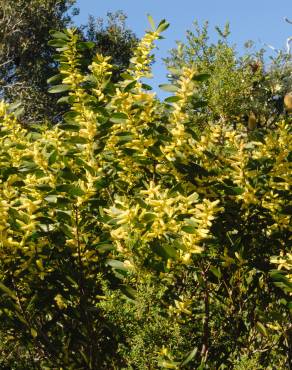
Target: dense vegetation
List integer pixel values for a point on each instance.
(134, 234)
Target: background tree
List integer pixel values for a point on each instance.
(112, 38)
(26, 60)
(240, 88)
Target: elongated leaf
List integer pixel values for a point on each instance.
(146, 87)
(119, 265)
(85, 45)
(172, 99)
(8, 291)
(59, 89)
(199, 104)
(174, 71)
(70, 127)
(216, 271)
(19, 112)
(163, 25)
(64, 99)
(130, 86)
(51, 198)
(77, 140)
(14, 106)
(57, 43)
(261, 328)
(59, 35)
(168, 87)
(189, 229)
(119, 117)
(189, 356)
(151, 21)
(70, 189)
(55, 78)
(202, 77)
(129, 292)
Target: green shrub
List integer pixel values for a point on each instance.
(130, 240)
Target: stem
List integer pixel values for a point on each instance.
(206, 329)
(82, 292)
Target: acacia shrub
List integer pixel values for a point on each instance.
(131, 241)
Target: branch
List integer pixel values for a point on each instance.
(287, 20)
(288, 47)
(206, 329)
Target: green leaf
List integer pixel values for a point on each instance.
(199, 104)
(216, 271)
(67, 174)
(45, 220)
(163, 25)
(189, 356)
(119, 265)
(59, 35)
(55, 78)
(77, 140)
(18, 112)
(63, 216)
(130, 86)
(146, 87)
(64, 99)
(168, 364)
(118, 117)
(59, 89)
(261, 328)
(151, 21)
(51, 198)
(70, 116)
(147, 217)
(70, 127)
(168, 87)
(126, 76)
(104, 247)
(189, 229)
(8, 291)
(85, 45)
(174, 71)
(164, 251)
(70, 189)
(172, 99)
(201, 77)
(52, 158)
(57, 43)
(14, 106)
(129, 292)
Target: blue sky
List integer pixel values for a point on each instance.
(257, 20)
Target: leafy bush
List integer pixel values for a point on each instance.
(132, 240)
(239, 86)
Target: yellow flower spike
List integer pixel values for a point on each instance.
(60, 301)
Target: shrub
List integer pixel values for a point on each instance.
(132, 240)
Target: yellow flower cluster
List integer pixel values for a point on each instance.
(160, 218)
(180, 146)
(140, 62)
(284, 262)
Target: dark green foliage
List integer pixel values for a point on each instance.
(27, 61)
